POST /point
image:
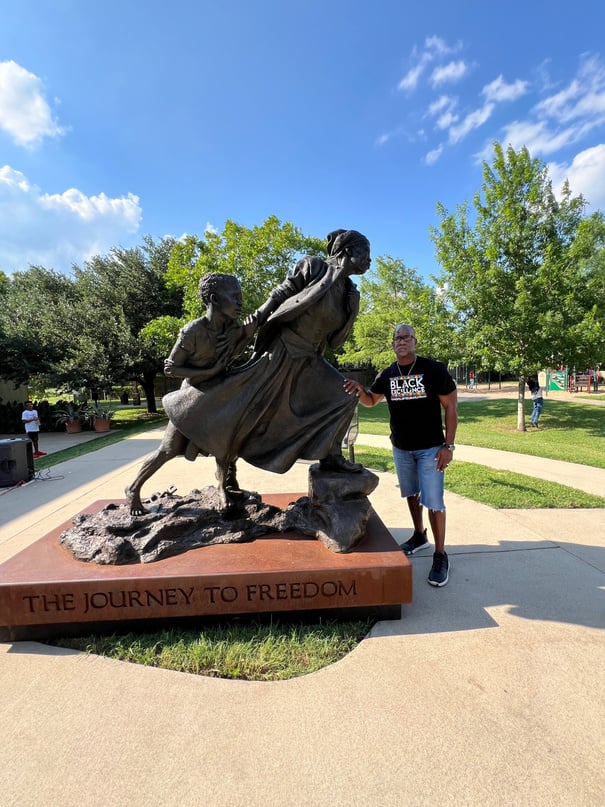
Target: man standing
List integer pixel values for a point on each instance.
(32, 427)
(416, 390)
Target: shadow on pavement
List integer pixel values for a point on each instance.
(538, 581)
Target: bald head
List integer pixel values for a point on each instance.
(404, 330)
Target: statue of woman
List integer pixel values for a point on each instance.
(287, 403)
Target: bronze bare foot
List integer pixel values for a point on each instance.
(135, 504)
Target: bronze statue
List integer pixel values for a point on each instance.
(287, 402)
(202, 354)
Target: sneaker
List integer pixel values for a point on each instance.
(41, 453)
(417, 542)
(439, 574)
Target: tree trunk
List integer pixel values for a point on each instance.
(149, 390)
(521, 406)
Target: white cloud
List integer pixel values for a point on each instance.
(410, 81)
(586, 175)
(434, 48)
(583, 97)
(557, 105)
(453, 71)
(542, 76)
(443, 102)
(564, 117)
(57, 230)
(210, 228)
(446, 120)
(443, 108)
(537, 137)
(498, 90)
(472, 121)
(24, 112)
(432, 156)
(437, 46)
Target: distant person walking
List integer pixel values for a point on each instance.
(418, 390)
(536, 394)
(32, 427)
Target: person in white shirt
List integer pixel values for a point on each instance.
(32, 426)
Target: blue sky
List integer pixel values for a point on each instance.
(122, 119)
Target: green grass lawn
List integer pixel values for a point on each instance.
(259, 652)
(499, 489)
(595, 396)
(573, 432)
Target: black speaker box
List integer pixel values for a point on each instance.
(16, 461)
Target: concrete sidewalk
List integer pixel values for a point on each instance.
(488, 691)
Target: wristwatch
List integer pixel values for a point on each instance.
(449, 446)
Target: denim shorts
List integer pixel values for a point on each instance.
(417, 473)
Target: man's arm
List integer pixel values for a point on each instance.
(366, 398)
(449, 403)
(450, 407)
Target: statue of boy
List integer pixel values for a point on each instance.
(205, 349)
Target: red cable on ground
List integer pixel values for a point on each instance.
(14, 487)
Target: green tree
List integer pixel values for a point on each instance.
(38, 325)
(258, 256)
(392, 294)
(588, 254)
(511, 277)
(121, 294)
(20, 358)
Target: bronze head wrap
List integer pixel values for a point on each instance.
(339, 240)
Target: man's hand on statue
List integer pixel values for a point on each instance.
(353, 387)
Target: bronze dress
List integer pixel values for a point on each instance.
(287, 402)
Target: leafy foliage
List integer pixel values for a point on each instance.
(123, 292)
(259, 257)
(587, 253)
(390, 295)
(84, 331)
(513, 284)
(36, 324)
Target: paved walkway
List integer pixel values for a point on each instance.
(486, 692)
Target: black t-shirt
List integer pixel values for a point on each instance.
(412, 394)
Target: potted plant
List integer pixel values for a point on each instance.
(72, 414)
(100, 417)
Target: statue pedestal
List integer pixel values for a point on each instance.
(44, 592)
